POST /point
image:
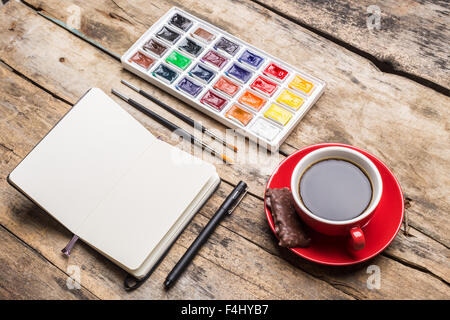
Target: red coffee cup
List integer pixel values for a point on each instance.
(352, 228)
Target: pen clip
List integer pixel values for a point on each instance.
(238, 201)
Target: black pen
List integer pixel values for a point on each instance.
(227, 207)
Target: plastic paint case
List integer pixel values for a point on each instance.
(231, 81)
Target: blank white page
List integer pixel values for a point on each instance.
(142, 207)
(69, 172)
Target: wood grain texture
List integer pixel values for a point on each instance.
(414, 36)
(24, 107)
(381, 113)
(246, 232)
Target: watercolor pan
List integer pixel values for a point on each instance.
(178, 60)
(164, 73)
(302, 85)
(203, 35)
(290, 99)
(155, 47)
(214, 100)
(275, 72)
(214, 58)
(239, 73)
(278, 114)
(180, 21)
(238, 114)
(226, 86)
(265, 129)
(142, 60)
(264, 86)
(202, 73)
(226, 45)
(189, 46)
(252, 100)
(251, 59)
(235, 83)
(168, 35)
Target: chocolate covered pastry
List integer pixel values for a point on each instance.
(288, 225)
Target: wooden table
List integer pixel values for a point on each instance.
(387, 93)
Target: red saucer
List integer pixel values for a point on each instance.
(379, 232)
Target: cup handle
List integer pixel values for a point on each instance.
(357, 239)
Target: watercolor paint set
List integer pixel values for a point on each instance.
(233, 82)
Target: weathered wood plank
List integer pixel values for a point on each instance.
(403, 123)
(24, 274)
(413, 38)
(29, 113)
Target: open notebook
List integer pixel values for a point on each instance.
(107, 179)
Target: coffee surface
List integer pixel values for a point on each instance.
(335, 189)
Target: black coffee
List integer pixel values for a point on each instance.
(335, 189)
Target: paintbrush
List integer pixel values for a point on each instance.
(171, 126)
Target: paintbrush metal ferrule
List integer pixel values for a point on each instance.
(129, 85)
